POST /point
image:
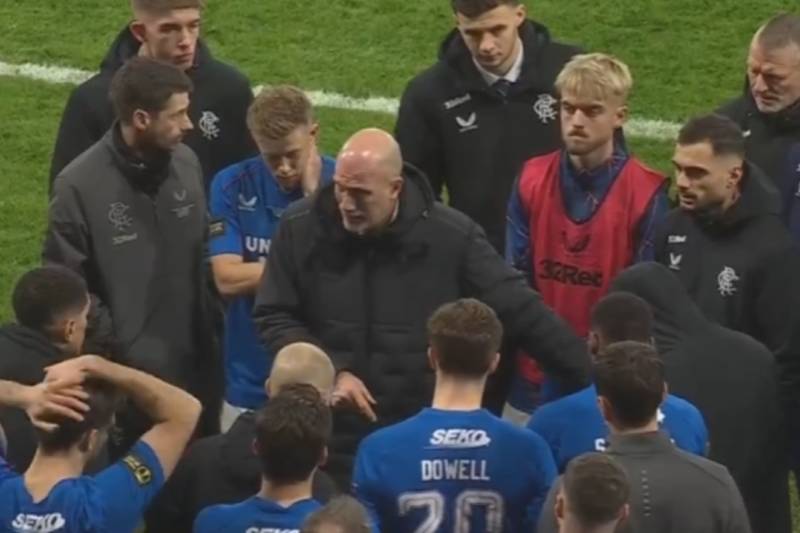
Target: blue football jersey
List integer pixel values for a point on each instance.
(254, 515)
(112, 501)
(573, 425)
(245, 206)
(454, 472)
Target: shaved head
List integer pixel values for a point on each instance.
(371, 153)
(368, 181)
(301, 363)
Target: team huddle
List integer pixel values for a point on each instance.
(494, 319)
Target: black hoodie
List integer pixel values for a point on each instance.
(24, 353)
(741, 267)
(366, 301)
(218, 110)
(463, 135)
(218, 469)
(770, 137)
(732, 379)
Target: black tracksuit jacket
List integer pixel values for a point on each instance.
(467, 138)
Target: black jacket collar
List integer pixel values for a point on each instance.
(756, 199)
(144, 175)
(535, 37)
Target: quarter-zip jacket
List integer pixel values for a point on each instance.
(671, 491)
(136, 232)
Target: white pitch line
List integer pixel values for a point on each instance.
(659, 130)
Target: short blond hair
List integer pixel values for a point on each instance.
(278, 111)
(598, 76)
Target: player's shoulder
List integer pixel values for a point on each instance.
(220, 516)
(570, 405)
(676, 405)
(233, 177)
(390, 436)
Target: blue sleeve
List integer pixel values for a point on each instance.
(701, 433)
(544, 422)
(363, 488)
(207, 521)
(129, 485)
(225, 231)
(6, 472)
(544, 475)
(648, 227)
(518, 235)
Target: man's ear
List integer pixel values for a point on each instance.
(521, 14)
(140, 119)
(495, 363)
(665, 393)
(138, 30)
(432, 360)
(323, 460)
(314, 130)
(254, 447)
(560, 507)
(593, 343)
(736, 176)
(621, 116)
(605, 408)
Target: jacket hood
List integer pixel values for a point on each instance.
(237, 451)
(535, 38)
(675, 314)
(758, 198)
(125, 46)
(28, 340)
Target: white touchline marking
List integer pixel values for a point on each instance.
(660, 130)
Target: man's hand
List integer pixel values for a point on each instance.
(352, 392)
(313, 172)
(47, 400)
(71, 372)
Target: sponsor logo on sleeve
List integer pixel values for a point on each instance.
(141, 472)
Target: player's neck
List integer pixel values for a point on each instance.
(457, 394)
(285, 495)
(594, 159)
(46, 470)
(651, 427)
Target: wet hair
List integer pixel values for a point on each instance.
(723, 134)
(630, 375)
(596, 488)
(292, 432)
(465, 335)
(44, 295)
(145, 84)
(622, 316)
(103, 402)
(476, 8)
(343, 514)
